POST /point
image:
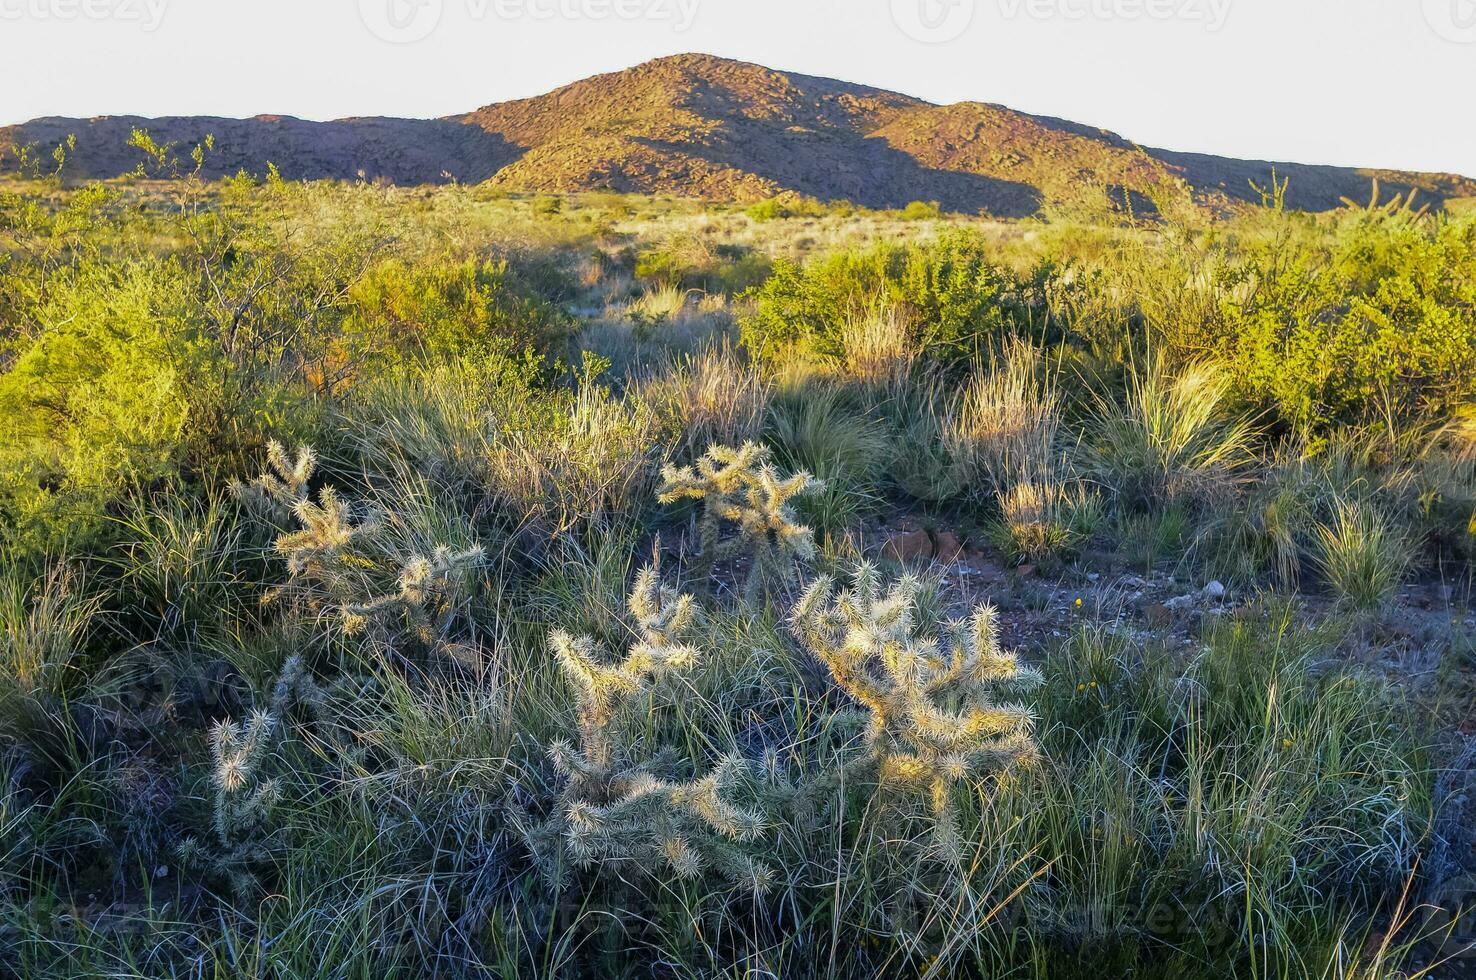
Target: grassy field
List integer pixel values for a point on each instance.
(405, 582)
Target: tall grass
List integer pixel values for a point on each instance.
(708, 399)
(1173, 438)
(1362, 556)
(822, 430)
(1007, 423)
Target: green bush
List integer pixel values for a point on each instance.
(695, 264)
(961, 299)
(1379, 329)
(922, 211)
(447, 306)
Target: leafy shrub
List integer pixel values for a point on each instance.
(922, 211)
(448, 306)
(786, 206)
(101, 402)
(1379, 330)
(690, 262)
(961, 300)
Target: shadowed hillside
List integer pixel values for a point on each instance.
(706, 127)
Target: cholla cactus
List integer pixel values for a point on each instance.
(617, 810)
(934, 716)
(426, 595)
(740, 488)
(244, 797)
(332, 574)
(283, 486)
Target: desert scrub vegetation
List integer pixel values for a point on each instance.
(570, 646)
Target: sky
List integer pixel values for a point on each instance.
(1387, 83)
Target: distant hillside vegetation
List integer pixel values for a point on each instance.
(707, 127)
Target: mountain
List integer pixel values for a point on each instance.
(707, 127)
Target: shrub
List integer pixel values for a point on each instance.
(922, 211)
(692, 262)
(448, 306)
(1379, 330)
(952, 289)
(786, 206)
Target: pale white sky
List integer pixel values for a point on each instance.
(1356, 82)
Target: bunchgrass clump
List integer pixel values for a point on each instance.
(1043, 522)
(1362, 556)
(1172, 439)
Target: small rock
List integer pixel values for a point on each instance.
(1134, 582)
(948, 548)
(1181, 603)
(1215, 590)
(1093, 577)
(1158, 615)
(908, 548)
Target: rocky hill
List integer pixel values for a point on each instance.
(706, 127)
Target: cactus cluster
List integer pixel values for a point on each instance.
(617, 808)
(936, 710)
(331, 570)
(244, 795)
(746, 510)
